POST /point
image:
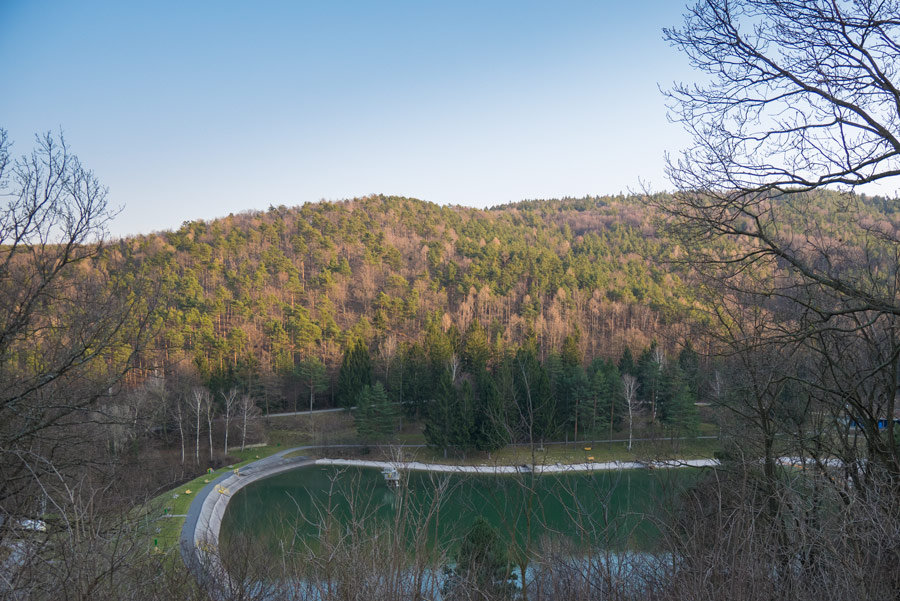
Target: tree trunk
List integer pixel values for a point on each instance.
(630, 425)
(197, 446)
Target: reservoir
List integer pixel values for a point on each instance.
(303, 507)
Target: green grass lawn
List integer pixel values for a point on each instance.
(590, 452)
(551, 453)
(164, 515)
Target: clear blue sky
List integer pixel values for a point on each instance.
(192, 110)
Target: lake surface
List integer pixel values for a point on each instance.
(610, 509)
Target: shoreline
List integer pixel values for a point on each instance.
(554, 468)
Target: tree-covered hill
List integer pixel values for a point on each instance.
(250, 296)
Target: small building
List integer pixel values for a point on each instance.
(391, 476)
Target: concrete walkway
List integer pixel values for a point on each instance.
(199, 541)
(556, 468)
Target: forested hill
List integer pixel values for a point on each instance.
(250, 296)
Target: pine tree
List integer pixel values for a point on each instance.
(462, 420)
(606, 394)
(386, 412)
(364, 415)
(375, 415)
(416, 384)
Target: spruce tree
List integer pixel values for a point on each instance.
(676, 403)
(537, 407)
(476, 349)
(489, 427)
(626, 363)
(355, 374)
(482, 566)
(375, 415)
(439, 417)
(689, 362)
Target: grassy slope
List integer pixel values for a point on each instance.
(165, 514)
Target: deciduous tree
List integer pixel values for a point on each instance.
(71, 322)
(801, 106)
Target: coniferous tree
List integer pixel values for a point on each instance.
(439, 347)
(606, 394)
(476, 349)
(439, 417)
(416, 384)
(355, 374)
(375, 415)
(482, 566)
(364, 415)
(570, 386)
(649, 372)
(534, 396)
(626, 363)
(689, 362)
(462, 420)
(490, 430)
(676, 403)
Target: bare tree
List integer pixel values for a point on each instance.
(230, 408)
(717, 386)
(387, 350)
(800, 95)
(69, 326)
(454, 366)
(248, 410)
(801, 278)
(72, 322)
(198, 401)
(209, 408)
(629, 391)
(180, 416)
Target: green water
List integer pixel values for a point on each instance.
(611, 509)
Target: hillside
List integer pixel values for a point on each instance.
(251, 295)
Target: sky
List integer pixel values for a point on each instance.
(194, 110)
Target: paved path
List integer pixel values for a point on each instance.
(307, 412)
(556, 468)
(199, 541)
